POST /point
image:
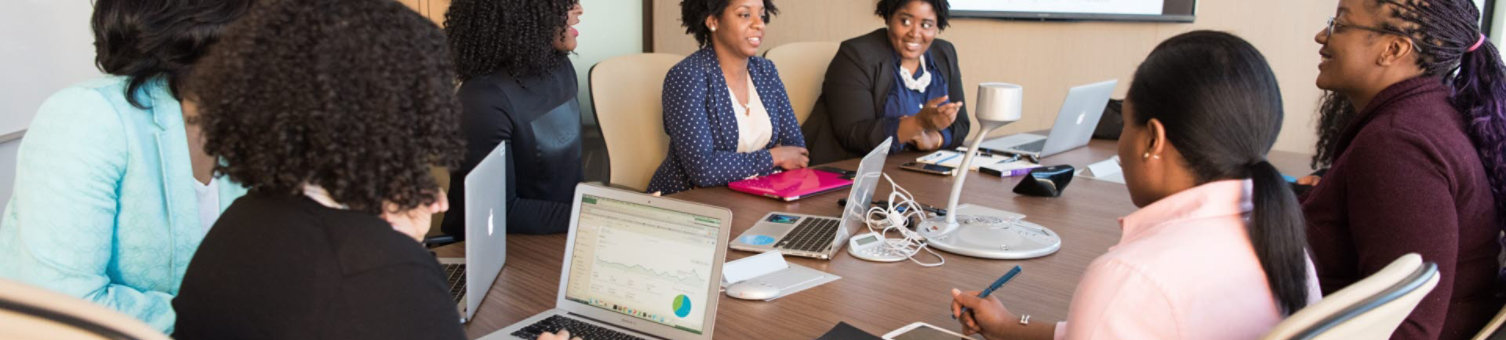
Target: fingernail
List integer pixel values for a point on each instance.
(955, 292)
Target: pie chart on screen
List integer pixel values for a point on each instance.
(682, 305)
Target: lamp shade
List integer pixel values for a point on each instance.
(999, 102)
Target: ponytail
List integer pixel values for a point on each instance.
(1278, 232)
(1479, 93)
(1221, 106)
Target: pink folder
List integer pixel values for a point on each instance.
(792, 185)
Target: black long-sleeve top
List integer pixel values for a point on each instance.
(539, 118)
(286, 267)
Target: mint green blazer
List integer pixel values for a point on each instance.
(104, 206)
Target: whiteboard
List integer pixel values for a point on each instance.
(45, 45)
(1130, 7)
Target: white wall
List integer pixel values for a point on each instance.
(45, 45)
(7, 171)
(609, 28)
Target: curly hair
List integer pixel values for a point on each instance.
(144, 39)
(513, 36)
(354, 96)
(887, 8)
(693, 14)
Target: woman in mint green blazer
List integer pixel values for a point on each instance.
(110, 200)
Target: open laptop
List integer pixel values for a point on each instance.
(636, 267)
(818, 236)
(1073, 128)
(486, 230)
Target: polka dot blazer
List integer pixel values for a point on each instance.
(702, 128)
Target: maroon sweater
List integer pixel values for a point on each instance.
(1407, 179)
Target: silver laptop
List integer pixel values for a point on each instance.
(1073, 128)
(818, 236)
(636, 267)
(486, 234)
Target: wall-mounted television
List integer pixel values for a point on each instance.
(1078, 10)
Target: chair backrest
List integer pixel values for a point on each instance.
(28, 312)
(1369, 309)
(626, 95)
(802, 67)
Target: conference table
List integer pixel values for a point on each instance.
(875, 297)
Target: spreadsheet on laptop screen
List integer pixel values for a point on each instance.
(646, 262)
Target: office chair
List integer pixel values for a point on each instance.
(1369, 309)
(28, 312)
(802, 68)
(626, 94)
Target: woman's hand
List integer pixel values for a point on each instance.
(415, 222)
(928, 141)
(562, 335)
(790, 157)
(936, 116)
(988, 316)
(1309, 180)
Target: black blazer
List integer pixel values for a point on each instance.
(539, 118)
(848, 120)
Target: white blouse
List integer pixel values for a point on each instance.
(209, 202)
(754, 129)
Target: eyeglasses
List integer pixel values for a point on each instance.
(1335, 25)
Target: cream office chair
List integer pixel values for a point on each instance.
(802, 67)
(28, 312)
(625, 93)
(1369, 309)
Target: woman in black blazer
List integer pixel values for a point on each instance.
(518, 87)
(896, 82)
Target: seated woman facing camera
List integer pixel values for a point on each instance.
(1217, 249)
(331, 113)
(518, 87)
(725, 110)
(113, 189)
(897, 82)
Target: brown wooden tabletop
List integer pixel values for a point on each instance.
(876, 297)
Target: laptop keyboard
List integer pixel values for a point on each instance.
(577, 329)
(455, 273)
(813, 234)
(1035, 146)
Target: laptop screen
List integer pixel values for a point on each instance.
(650, 263)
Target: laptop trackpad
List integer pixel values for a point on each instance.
(769, 230)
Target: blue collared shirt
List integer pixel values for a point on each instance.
(904, 102)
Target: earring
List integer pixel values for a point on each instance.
(1147, 155)
(713, 28)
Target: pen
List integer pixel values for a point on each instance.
(990, 290)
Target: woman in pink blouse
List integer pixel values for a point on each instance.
(1217, 249)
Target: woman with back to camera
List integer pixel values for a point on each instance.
(896, 82)
(1413, 137)
(331, 112)
(113, 188)
(518, 87)
(725, 109)
(1216, 250)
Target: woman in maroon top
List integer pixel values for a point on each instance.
(1416, 156)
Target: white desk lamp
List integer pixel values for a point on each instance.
(980, 231)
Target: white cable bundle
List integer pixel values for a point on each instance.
(881, 221)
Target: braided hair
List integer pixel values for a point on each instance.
(1451, 48)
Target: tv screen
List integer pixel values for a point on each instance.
(1107, 10)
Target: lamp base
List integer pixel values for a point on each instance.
(989, 233)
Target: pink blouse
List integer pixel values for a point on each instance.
(1184, 269)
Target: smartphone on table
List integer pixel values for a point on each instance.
(933, 169)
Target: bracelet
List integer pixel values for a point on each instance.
(1025, 319)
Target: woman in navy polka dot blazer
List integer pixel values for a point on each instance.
(725, 110)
